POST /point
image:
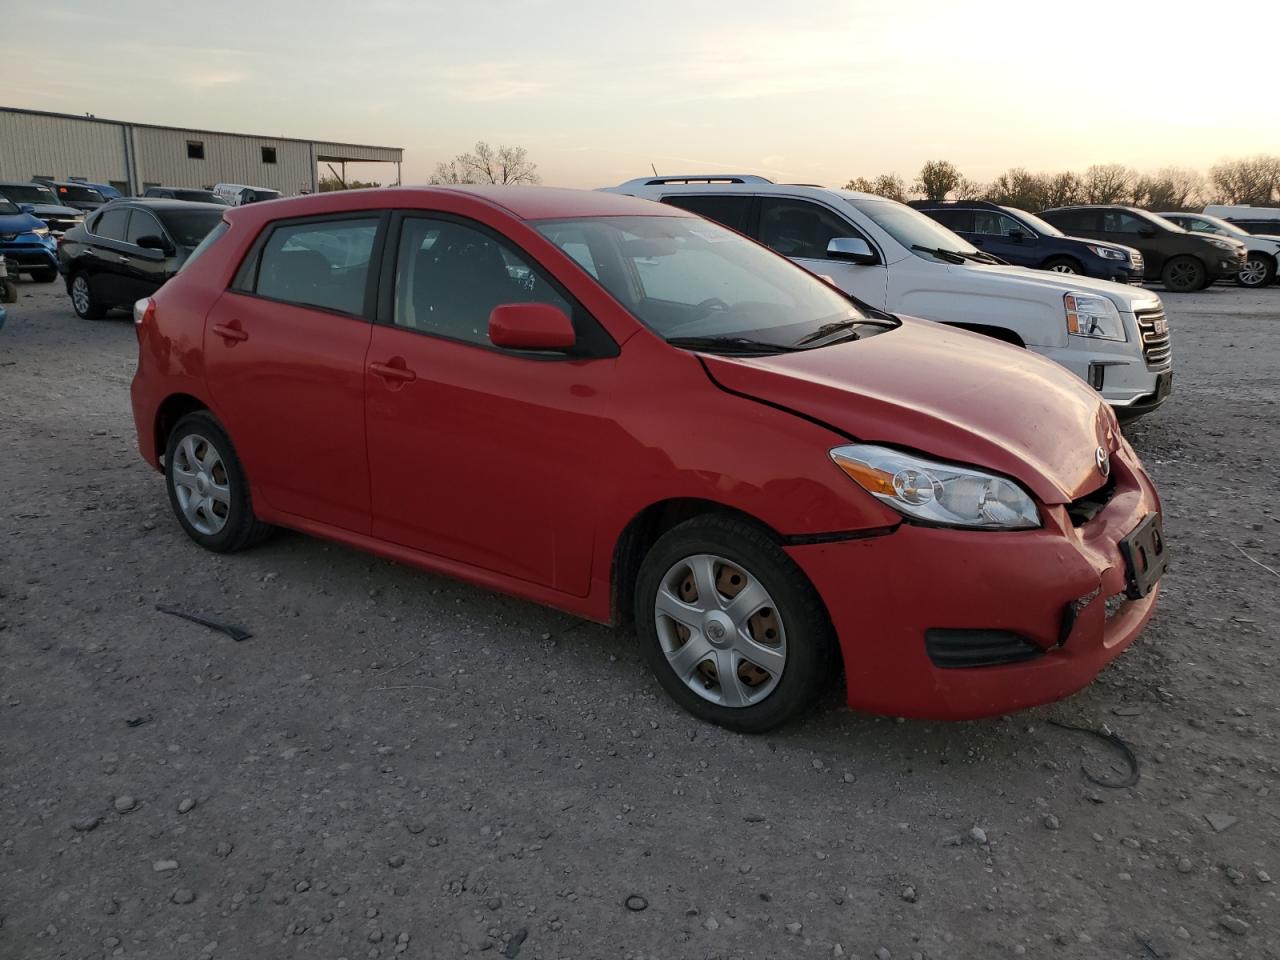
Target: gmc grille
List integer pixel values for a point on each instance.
(1156, 348)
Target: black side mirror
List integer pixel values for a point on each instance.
(1017, 236)
(851, 250)
(152, 242)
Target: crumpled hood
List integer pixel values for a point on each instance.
(946, 393)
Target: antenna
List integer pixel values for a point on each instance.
(653, 168)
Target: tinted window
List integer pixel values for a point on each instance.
(1073, 220)
(81, 194)
(1118, 221)
(112, 224)
(210, 239)
(449, 277)
(142, 224)
(189, 227)
(318, 264)
(723, 208)
(8, 208)
(958, 220)
(796, 228)
(911, 228)
(992, 224)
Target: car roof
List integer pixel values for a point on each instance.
(762, 188)
(164, 203)
(522, 202)
(1097, 206)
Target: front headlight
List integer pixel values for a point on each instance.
(1107, 253)
(1222, 244)
(1092, 316)
(939, 493)
(41, 231)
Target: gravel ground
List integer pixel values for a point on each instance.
(399, 764)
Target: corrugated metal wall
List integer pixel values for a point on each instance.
(109, 151)
(34, 145)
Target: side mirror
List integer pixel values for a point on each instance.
(1017, 236)
(851, 250)
(152, 242)
(27, 207)
(530, 326)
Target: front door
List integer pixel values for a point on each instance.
(284, 356)
(801, 230)
(477, 454)
(1002, 236)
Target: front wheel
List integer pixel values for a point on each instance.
(733, 630)
(1258, 271)
(208, 489)
(83, 299)
(1063, 265)
(1184, 275)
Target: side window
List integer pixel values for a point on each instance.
(989, 223)
(318, 264)
(112, 225)
(450, 276)
(728, 209)
(961, 221)
(1117, 221)
(797, 228)
(1071, 220)
(142, 224)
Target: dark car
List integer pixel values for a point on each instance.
(192, 194)
(1025, 240)
(58, 217)
(73, 193)
(129, 248)
(1182, 261)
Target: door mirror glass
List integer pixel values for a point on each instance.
(530, 326)
(1017, 236)
(851, 250)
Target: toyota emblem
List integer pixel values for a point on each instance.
(1103, 461)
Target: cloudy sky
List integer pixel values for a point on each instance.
(816, 92)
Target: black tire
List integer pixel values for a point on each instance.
(44, 276)
(810, 644)
(1259, 265)
(240, 528)
(1064, 265)
(88, 306)
(1184, 274)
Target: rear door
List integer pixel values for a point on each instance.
(1121, 226)
(801, 230)
(143, 270)
(284, 353)
(106, 256)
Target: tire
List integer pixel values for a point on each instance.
(1258, 271)
(83, 300)
(44, 276)
(1063, 265)
(794, 655)
(208, 489)
(1184, 274)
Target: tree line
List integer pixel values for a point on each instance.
(1252, 180)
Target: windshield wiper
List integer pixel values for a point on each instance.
(828, 329)
(730, 345)
(950, 256)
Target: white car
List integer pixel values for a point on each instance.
(896, 259)
(1259, 268)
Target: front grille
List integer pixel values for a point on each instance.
(1156, 347)
(1138, 263)
(1085, 508)
(951, 649)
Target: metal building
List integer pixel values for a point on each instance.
(134, 156)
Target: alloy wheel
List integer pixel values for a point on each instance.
(1253, 273)
(1185, 275)
(720, 631)
(80, 298)
(1062, 268)
(200, 484)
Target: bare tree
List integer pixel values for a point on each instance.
(1107, 183)
(890, 185)
(487, 164)
(1018, 188)
(966, 189)
(1253, 180)
(861, 184)
(1062, 189)
(937, 179)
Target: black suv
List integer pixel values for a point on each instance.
(1180, 260)
(1025, 240)
(126, 250)
(183, 193)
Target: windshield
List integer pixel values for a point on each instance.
(199, 196)
(8, 208)
(28, 193)
(912, 229)
(1223, 225)
(687, 277)
(189, 227)
(81, 194)
(1042, 227)
(1158, 221)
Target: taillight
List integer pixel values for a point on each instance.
(144, 311)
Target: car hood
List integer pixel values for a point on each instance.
(19, 223)
(946, 393)
(1125, 297)
(56, 210)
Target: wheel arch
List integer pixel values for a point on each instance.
(1003, 334)
(174, 408)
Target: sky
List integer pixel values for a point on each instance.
(816, 92)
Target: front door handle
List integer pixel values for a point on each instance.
(124, 259)
(229, 333)
(393, 370)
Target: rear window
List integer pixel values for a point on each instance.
(189, 227)
(81, 194)
(722, 208)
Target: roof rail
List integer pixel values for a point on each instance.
(696, 178)
(931, 204)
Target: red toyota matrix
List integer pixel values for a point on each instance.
(622, 410)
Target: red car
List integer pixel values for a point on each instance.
(624, 411)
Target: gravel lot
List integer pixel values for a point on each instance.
(396, 764)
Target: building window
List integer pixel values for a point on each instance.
(268, 154)
(195, 149)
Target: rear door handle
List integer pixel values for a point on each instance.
(228, 332)
(394, 371)
(124, 259)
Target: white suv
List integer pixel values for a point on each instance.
(896, 259)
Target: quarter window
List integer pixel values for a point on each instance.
(798, 229)
(728, 209)
(318, 264)
(112, 225)
(449, 277)
(960, 221)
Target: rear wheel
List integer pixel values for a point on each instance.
(1259, 270)
(1063, 265)
(733, 630)
(86, 304)
(208, 489)
(1184, 275)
